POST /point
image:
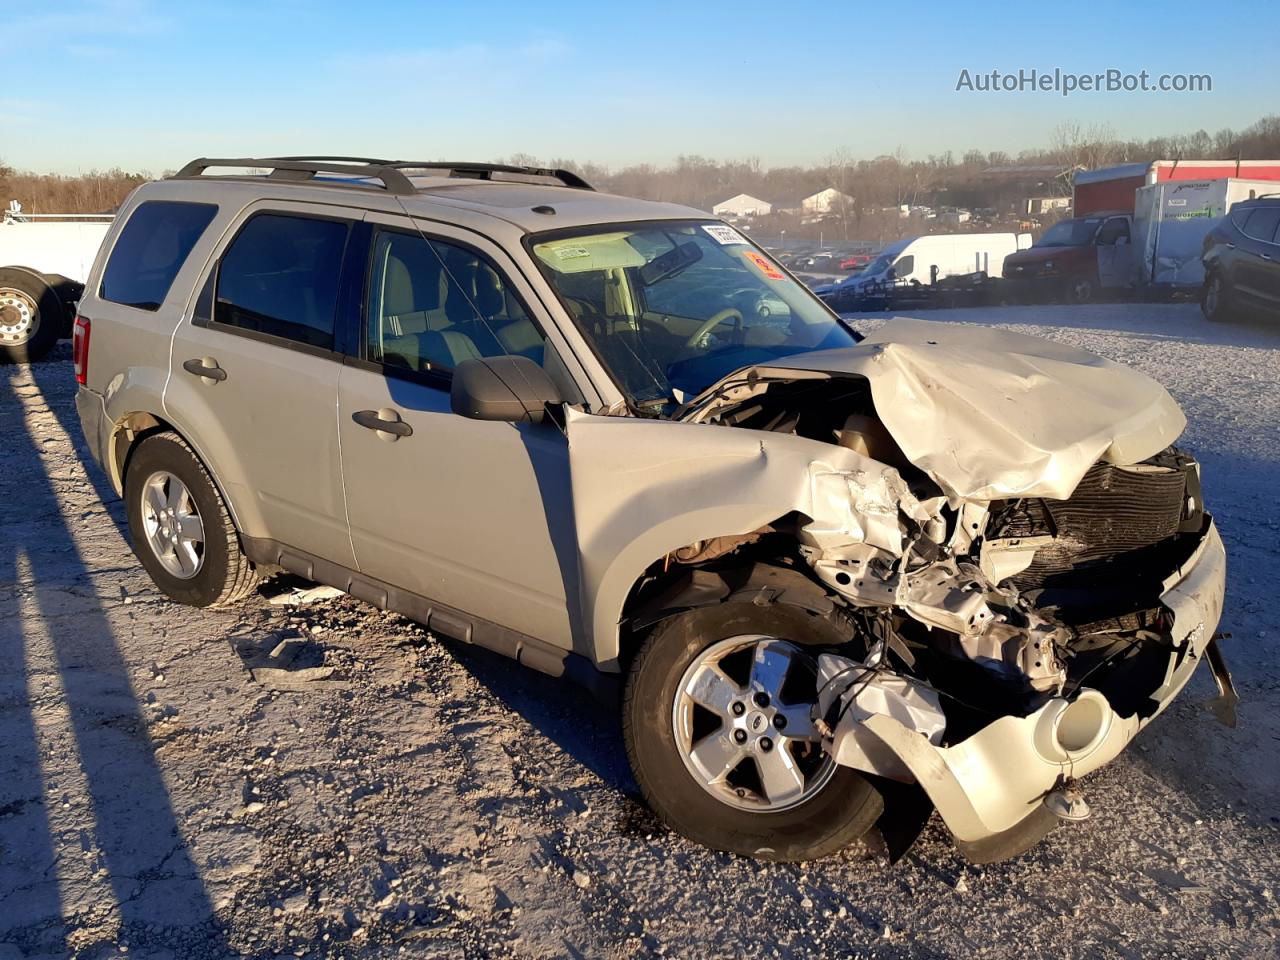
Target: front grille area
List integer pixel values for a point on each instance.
(1114, 511)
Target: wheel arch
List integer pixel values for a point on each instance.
(127, 433)
(767, 574)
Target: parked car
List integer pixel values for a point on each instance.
(556, 424)
(1242, 262)
(856, 261)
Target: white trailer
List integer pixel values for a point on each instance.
(1171, 220)
(44, 262)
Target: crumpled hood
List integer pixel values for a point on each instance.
(990, 414)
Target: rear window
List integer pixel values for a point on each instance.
(150, 251)
(280, 277)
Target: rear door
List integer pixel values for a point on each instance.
(1257, 274)
(254, 373)
(476, 515)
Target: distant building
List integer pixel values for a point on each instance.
(1034, 205)
(743, 205)
(824, 201)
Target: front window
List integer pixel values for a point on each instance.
(673, 307)
(1070, 233)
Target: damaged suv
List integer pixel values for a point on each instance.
(840, 577)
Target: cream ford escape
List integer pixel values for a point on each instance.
(841, 578)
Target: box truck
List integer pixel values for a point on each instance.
(1171, 220)
(1112, 189)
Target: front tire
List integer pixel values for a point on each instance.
(180, 528)
(701, 724)
(1215, 299)
(1081, 290)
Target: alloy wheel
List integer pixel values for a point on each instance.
(744, 728)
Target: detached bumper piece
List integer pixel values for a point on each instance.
(998, 789)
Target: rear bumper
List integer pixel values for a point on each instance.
(95, 424)
(990, 788)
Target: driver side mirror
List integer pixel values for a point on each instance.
(512, 389)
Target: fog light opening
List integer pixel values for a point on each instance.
(1081, 724)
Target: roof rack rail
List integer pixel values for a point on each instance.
(306, 169)
(389, 172)
(485, 171)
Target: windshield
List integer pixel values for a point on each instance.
(673, 307)
(1070, 233)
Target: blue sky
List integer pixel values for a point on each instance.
(148, 85)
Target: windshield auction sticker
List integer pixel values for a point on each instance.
(763, 264)
(723, 234)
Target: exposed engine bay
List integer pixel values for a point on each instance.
(1034, 591)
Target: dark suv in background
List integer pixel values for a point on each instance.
(1242, 262)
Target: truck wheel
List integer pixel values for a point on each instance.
(718, 732)
(180, 528)
(31, 317)
(1080, 290)
(1215, 299)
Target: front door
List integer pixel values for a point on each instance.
(1117, 266)
(473, 514)
(254, 375)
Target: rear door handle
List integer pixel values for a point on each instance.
(1265, 256)
(386, 422)
(205, 367)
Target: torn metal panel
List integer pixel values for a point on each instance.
(988, 624)
(849, 692)
(988, 413)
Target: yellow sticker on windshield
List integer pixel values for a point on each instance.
(762, 262)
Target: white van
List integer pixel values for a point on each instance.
(929, 259)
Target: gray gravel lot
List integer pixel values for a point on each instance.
(157, 798)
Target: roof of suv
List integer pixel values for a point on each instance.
(531, 198)
(522, 203)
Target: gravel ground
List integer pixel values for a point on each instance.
(163, 795)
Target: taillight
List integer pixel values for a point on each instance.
(80, 349)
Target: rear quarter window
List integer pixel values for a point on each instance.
(150, 251)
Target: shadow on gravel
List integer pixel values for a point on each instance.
(585, 728)
(132, 835)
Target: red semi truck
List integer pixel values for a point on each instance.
(1094, 251)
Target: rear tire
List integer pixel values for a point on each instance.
(165, 486)
(32, 317)
(836, 806)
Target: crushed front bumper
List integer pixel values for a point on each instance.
(990, 788)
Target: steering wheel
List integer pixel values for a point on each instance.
(711, 323)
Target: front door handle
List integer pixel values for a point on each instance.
(205, 367)
(386, 422)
